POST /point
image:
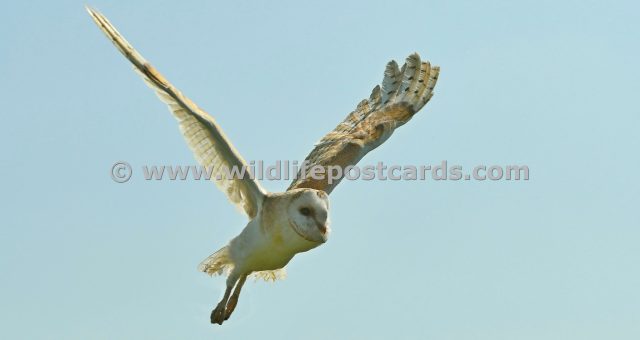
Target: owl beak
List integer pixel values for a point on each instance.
(324, 231)
(323, 228)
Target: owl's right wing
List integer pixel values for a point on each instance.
(402, 94)
(205, 138)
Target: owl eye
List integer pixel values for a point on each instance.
(305, 211)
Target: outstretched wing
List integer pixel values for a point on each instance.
(205, 138)
(403, 93)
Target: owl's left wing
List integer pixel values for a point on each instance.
(205, 138)
(402, 94)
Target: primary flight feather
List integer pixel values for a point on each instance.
(297, 220)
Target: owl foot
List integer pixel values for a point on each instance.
(228, 303)
(218, 314)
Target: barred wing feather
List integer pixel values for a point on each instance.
(402, 94)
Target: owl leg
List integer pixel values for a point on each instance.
(233, 300)
(217, 315)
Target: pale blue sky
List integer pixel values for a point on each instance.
(550, 84)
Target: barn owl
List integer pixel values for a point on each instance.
(283, 224)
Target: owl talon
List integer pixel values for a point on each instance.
(218, 314)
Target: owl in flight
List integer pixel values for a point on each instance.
(287, 223)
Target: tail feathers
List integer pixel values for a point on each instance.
(220, 263)
(217, 263)
(270, 275)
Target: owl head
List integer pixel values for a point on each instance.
(308, 213)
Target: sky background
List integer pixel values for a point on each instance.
(549, 84)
